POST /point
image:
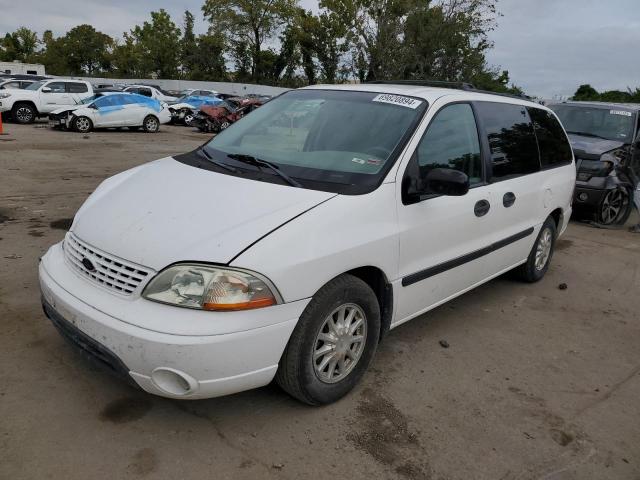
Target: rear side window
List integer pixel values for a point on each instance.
(512, 142)
(451, 141)
(145, 91)
(554, 146)
(56, 87)
(73, 87)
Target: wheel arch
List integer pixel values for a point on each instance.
(31, 103)
(558, 217)
(379, 283)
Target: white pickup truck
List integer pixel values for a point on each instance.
(42, 97)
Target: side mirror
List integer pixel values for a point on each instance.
(445, 181)
(46, 89)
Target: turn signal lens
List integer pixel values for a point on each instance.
(211, 288)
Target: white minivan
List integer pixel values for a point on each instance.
(288, 245)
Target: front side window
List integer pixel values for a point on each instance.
(56, 87)
(554, 146)
(145, 91)
(451, 141)
(610, 123)
(512, 142)
(73, 87)
(332, 140)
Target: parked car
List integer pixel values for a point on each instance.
(605, 138)
(289, 251)
(15, 84)
(218, 117)
(113, 110)
(185, 108)
(201, 93)
(42, 97)
(151, 92)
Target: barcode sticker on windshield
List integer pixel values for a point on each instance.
(397, 100)
(620, 112)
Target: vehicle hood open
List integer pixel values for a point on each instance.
(66, 108)
(591, 147)
(166, 212)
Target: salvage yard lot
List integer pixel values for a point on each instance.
(536, 382)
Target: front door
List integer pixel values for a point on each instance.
(56, 97)
(443, 238)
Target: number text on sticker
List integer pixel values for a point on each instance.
(397, 100)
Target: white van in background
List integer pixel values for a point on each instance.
(289, 244)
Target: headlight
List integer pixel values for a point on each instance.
(620, 154)
(595, 168)
(5, 95)
(208, 287)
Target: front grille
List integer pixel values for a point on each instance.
(111, 272)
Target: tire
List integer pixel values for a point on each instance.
(82, 124)
(538, 261)
(151, 124)
(301, 373)
(23, 113)
(615, 207)
(188, 118)
(224, 125)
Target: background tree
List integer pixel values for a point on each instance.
(189, 46)
(248, 24)
(208, 61)
(20, 45)
(87, 51)
(159, 44)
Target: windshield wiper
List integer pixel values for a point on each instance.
(587, 134)
(206, 154)
(258, 162)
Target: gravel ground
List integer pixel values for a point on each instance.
(537, 382)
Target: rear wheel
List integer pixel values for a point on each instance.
(23, 113)
(224, 125)
(615, 207)
(82, 124)
(151, 124)
(333, 343)
(539, 258)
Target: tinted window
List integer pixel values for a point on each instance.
(11, 85)
(73, 87)
(451, 141)
(145, 91)
(610, 123)
(56, 87)
(552, 142)
(512, 142)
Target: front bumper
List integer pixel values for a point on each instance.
(165, 364)
(587, 197)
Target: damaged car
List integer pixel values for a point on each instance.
(112, 110)
(214, 119)
(605, 138)
(185, 108)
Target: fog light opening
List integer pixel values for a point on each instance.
(583, 197)
(173, 381)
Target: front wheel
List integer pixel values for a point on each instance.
(615, 207)
(539, 258)
(333, 343)
(151, 124)
(23, 113)
(82, 124)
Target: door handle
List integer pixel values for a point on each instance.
(508, 199)
(481, 208)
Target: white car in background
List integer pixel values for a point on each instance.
(201, 93)
(151, 92)
(113, 110)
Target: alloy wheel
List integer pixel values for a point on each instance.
(543, 250)
(24, 114)
(613, 206)
(339, 343)
(83, 125)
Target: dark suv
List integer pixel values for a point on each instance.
(605, 139)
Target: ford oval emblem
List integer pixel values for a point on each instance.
(88, 265)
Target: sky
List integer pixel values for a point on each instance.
(549, 47)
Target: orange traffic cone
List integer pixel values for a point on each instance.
(1, 132)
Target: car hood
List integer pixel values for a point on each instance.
(166, 211)
(68, 108)
(591, 146)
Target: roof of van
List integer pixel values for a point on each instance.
(627, 106)
(430, 94)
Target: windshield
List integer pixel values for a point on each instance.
(35, 85)
(332, 140)
(610, 123)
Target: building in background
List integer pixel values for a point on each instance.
(18, 68)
